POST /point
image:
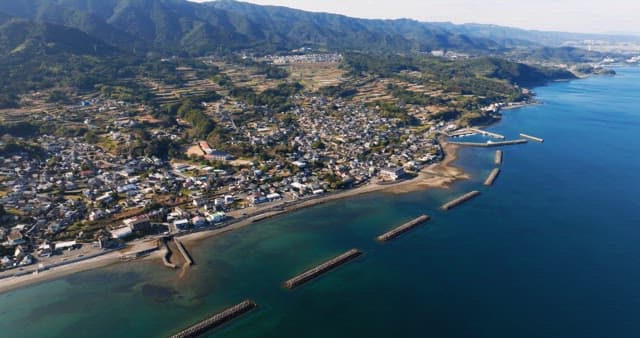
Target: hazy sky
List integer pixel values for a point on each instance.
(595, 16)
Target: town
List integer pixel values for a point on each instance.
(108, 171)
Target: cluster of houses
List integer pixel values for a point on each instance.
(73, 182)
(20, 252)
(303, 58)
(355, 141)
(353, 145)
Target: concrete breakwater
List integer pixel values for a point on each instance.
(166, 258)
(216, 320)
(487, 133)
(492, 177)
(499, 157)
(532, 138)
(456, 202)
(490, 144)
(322, 268)
(403, 228)
(183, 251)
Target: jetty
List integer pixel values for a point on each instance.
(464, 198)
(487, 133)
(403, 228)
(216, 320)
(498, 158)
(166, 258)
(532, 138)
(490, 144)
(492, 177)
(187, 258)
(322, 268)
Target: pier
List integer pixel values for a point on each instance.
(216, 320)
(492, 177)
(456, 202)
(322, 268)
(487, 133)
(490, 144)
(461, 133)
(403, 228)
(532, 138)
(183, 251)
(499, 157)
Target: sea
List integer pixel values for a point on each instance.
(551, 250)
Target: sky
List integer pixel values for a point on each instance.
(584, 16)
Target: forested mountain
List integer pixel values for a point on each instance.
(179, 25)
(24, 38)
(183, 27)
(340, 32)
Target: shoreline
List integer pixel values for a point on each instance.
(440, 175)
(12, 283)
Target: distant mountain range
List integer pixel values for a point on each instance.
(24, 37)
(183, 27)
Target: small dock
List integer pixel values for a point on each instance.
(322, 268)
(492, 177)
(464, 198)
(216, 320)
(532, 138)
(490, 144)
(403, 228)
(487, 133)
(187, 258)
(499, 157)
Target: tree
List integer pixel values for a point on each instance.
(91, 137)
(58, 96)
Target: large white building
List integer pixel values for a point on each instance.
(392, 174)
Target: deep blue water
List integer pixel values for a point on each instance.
(551, 250)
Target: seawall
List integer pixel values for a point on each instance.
(322, 268)
(187, 258)
(456, 202)
(499, 157)
(216, 320)
(532, 138)
(492, 177)
(403, 228)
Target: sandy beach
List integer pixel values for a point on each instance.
(439, 175)
(8, 284)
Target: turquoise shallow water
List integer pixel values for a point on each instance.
(551, 250)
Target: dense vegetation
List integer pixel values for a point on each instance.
(19, 147)
(276, 99)
(20, 129)
(476, 75)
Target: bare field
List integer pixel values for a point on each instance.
(316, 75)
(195, 150)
